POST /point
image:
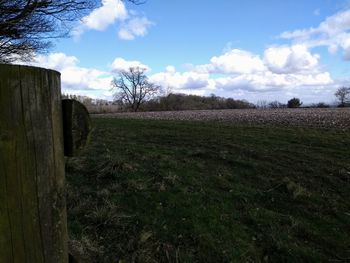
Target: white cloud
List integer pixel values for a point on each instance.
(269, 81)
(282, 69)
(120, 64)
(237, 73)
(135, 27)
(170, 69)
(233, 61)
(252, 87)
(79, 80)
(181, 82)
(110, 12)
(57, 61)
(331, 26)
(75, 79)
(107, 14)
(99, 19)
(294, 59)
(333, 32)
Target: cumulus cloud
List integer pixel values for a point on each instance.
(107, 14)
(236, 73)
(333, 32)
(268, 81)
(135, 27)
(181, 82)
(294, 59)
(233, 61)
(120, 64)
(75, 79)
(99, 19)
(56, 61)
(110, 12)
(283, 68)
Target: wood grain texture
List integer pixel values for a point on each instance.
(33, 225)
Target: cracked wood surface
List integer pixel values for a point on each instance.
(33, 224)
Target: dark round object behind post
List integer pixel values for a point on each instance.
(33, 225)
(76, 126)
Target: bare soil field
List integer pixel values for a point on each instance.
(332, 118)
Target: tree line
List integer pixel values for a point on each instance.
(135, 92)
(178, 102)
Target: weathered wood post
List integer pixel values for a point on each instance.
(76, 126)
(33, 224)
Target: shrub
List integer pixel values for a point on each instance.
(320, 105)
(294, 103)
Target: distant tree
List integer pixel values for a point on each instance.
(27, 26)
(262, 104)
(167, 91)
(294, 103)
(133, 88)
(343, 96)
(276, 105)
(238, 104)
(320, 105)
(213, 101)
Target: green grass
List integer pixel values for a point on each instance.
(172, 191)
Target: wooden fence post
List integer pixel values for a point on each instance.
(33, 227)
(76, 126)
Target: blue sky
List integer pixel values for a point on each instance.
(251, 49)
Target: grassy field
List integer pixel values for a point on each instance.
(181, 191)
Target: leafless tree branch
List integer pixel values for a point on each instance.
(343, 95)
(28, 26)
(133, 88)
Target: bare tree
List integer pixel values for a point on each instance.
(343, 95)
(27, 26)
(276, 105)
(262, 104)
(133, 87)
